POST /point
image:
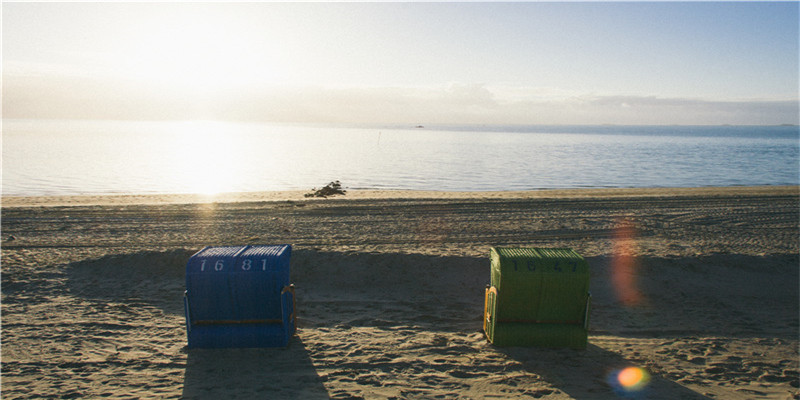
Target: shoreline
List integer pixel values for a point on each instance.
(400, 194)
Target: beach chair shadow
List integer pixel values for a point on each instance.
(148, 281)
(592, 373)
(252, 373)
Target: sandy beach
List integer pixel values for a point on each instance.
(390, 294)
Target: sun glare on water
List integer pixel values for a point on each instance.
(203, 158)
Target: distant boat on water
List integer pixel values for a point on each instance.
(419, 127)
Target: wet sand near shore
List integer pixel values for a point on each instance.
(390, 294)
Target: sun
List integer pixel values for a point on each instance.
(199, 51)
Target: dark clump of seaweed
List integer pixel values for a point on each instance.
(332, 189)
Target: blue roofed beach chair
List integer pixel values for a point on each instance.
(239, 296)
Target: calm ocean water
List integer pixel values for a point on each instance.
(110, 157)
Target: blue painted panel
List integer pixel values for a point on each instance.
(261, 272)
(208, 283)
(233, 297)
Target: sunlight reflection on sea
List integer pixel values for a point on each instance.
(99, 157)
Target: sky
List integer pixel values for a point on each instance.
(404, 63)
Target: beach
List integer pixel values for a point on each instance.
(390, 290)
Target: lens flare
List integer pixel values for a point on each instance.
(629, 380)
(624, 265)
(632, 378)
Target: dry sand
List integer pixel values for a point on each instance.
(390, 294)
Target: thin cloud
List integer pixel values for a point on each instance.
(49, 94)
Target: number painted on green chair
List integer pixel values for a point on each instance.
(574, 265)
(557, 266)
(530, 265)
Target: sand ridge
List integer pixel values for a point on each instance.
(390, 293)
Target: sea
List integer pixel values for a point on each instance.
(76, 157)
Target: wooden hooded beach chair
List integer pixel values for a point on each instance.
(239, 296)
(537, 297)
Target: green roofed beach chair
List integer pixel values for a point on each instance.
(537, 297)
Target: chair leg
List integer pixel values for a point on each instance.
(485, 308)
(488, 309)
(293, 314)
(586, 312)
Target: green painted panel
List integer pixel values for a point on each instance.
(541, 291)
(540, 335)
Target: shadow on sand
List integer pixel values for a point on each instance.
(592, 373)
(681, 297)
(279, 373)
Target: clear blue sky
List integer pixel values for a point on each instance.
(527, 63)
